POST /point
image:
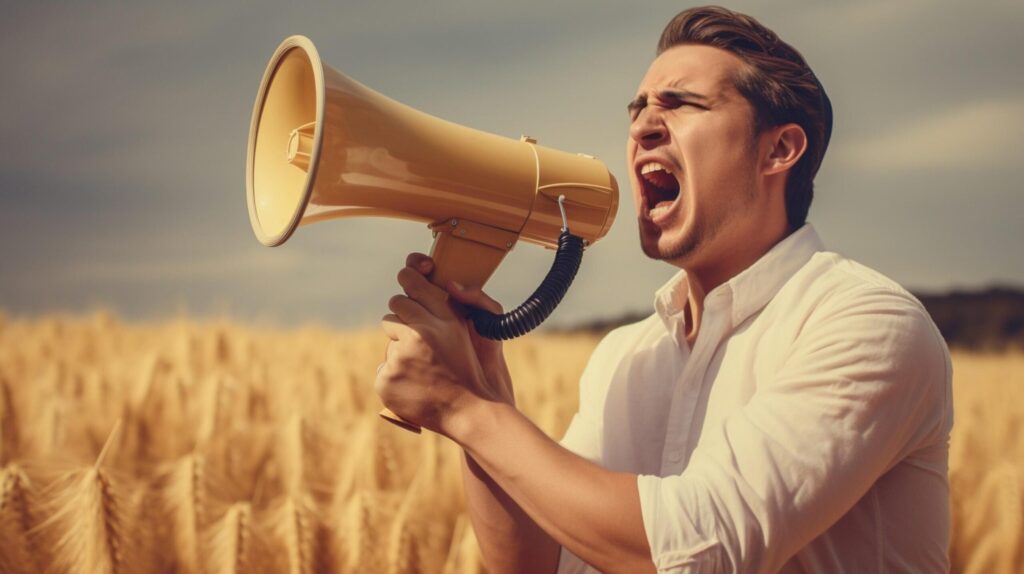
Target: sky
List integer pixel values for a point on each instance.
(123, 131)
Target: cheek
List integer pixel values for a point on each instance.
(719, 152)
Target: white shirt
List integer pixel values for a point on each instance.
(806, 431)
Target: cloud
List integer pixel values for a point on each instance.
(981, 135)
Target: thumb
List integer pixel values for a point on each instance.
(473, 297)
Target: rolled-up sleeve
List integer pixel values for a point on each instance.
(865, 383)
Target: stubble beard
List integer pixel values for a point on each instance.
(680, 250)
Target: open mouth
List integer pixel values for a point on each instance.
(660, 186)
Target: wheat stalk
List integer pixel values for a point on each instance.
(288, 457)
(86, 519)
(182, 501)
(17, 551)
(403, 548)
(285, 422)
(226, 541)
(8, 422)
(997, 518)
(287, 531)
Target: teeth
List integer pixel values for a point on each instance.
(659, 209)
(653, 166)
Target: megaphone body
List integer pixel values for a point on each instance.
(323, 146)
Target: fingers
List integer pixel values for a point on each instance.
(473, 297)
(420, 262)
(410, 311)
(430, 296)
(394, 328)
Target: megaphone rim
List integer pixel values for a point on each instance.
(290, 43)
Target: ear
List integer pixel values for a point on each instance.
(788, 143)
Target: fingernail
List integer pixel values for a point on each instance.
(458, 286)
(425, 266)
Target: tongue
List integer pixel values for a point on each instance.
(661, 179)
(662, 189)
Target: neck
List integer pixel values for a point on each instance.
(703, 279)
(694, 310)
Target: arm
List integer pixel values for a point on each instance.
(432, 371)
(593, 512)
(509, 539)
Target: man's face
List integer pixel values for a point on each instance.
(693, 157)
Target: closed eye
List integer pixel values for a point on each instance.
(672, 100)
(667, 99)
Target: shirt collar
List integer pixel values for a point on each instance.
(751, 289)
(669, 301)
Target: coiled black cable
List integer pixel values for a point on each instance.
(542, 302)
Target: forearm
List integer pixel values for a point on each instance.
(509, 539)
(593, 512)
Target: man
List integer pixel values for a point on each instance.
(784, 409)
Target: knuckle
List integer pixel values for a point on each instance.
(413, 259)
(395, 300)
(410, 280)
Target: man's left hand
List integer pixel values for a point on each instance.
(431, 370)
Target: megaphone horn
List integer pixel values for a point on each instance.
(323, 146)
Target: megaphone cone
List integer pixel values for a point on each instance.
(323, 146)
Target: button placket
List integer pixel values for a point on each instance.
(690, 385)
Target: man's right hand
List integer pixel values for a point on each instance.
(488, 352)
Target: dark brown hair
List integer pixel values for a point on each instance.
(776, 81)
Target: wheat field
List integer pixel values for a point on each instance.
(188, 446)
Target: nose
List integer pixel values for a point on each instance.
(648, 130)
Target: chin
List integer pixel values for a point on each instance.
(676, 248)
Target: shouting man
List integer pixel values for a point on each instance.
(783, 409)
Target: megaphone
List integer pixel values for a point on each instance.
(323, 146)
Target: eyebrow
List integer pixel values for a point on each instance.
(640, 102)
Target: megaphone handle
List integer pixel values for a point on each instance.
(398, 421)
(467, 252)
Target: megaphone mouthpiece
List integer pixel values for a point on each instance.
(300, 146)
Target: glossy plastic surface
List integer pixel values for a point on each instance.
(323, 146)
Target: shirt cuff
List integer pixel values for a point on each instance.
(676, 546)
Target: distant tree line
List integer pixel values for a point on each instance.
(989, 320)
(979, 320)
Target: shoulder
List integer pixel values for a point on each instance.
(867, 334)
(831, 284)
(852, 311)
